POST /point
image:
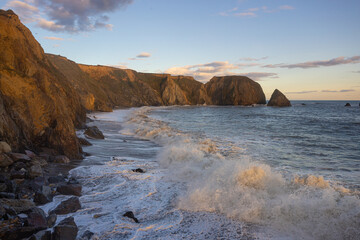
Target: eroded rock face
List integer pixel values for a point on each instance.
(234, 90)
(38, 106)
(278, 99)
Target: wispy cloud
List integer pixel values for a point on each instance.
(338, 91)
(55, 38)
(254, 12)
(141, 56)
(249, 59)
(315, 64)
(301, 92)
(204, 72)
(67, 15)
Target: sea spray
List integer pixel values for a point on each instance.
(247, 190)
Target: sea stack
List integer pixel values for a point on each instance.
(234, 90)
(278, 99)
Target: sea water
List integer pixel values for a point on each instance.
(223, 173)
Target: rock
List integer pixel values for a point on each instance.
(5, 160)
(94, 132)
(17, 205)
(61, 159)
(20, 174)
(41, 235)
(19, 165)
(30, 154)
(139, 170)
(51, 220)
(70, 189)
(56, 179)
(20, 157)
(84, 142)
(2, 211)
(3, 187)
(347, 105)
(65, 230)
(39, 160)
(130, 214)
(278, 99)
(44, 196)
(7, 195)
(4, 147)
(36, 218)
(87, 235)
(35, 171)
(68, 206)
(234, 90)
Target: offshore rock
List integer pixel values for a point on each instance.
(278, 99)
(234, 90)
(94, 132)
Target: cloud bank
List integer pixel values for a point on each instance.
(315, 64)
(67, 15)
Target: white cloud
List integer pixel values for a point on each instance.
(144, 55)
(49, 25)
(54, 38)
(286, 7)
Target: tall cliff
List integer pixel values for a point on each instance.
(38, 106)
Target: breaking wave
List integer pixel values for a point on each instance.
(242, 188)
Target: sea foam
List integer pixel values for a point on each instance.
(300, 207)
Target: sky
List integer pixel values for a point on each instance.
(308, 49)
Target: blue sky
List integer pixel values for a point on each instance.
(308, 49)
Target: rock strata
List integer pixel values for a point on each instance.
(278, 99)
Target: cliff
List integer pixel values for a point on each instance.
(38, 106)
(43, 97)
(234, 90)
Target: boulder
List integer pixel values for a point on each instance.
(84, 142)
(278, 99)
(18, 205)
(234, 90)
(20, 157)
(61, 159)
(35, 171)
(36, 218)
(41, 235)
(348, 105)
(51, 220)
(70, 189)
(4, 147)
(30, 154)
(65, 230)
(131, 215)
(94, 132)
(56, 179)
(68, 206)
(43, 196)
(5, 160)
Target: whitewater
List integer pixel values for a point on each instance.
(207, 179)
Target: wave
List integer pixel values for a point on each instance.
(302, 207)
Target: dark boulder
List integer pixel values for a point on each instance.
(278, 99)
(36, 218)
(43, 196)
(84, 142)
(68, 206)
(138, 170)
(5, 160)
(347, 105)
(234, 90)
(65, 230)
(94, 132)
(131, 215)
(51, 220)
(69, 189)
(42, 235)
(87, 235)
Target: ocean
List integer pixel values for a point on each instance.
(223, 172)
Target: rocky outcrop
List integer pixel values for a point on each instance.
(278, 99)
(234, 90)
(38, 105)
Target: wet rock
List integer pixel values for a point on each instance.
(84, 142)
(30, 154)
(7, 195)
(139, 170)
(20, 157)
(20, 174)
(5, 160)
(61, 159)
(4, 147)
(35, 171)
(65, 230)
(36, 218)
(56, 179)
(94, 132)
(19, 165)
(347, 105)
(42, 235)
(68, 206)
(18, 205)
(39, 160)
(278, 99)
(16, 231)
(87, 235)
(70, 189)
(44, 196)
(130, 214)
(51, 220)
(73, 181)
